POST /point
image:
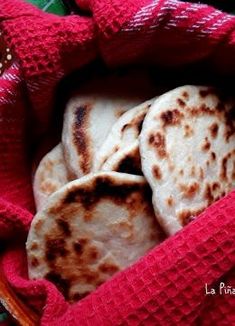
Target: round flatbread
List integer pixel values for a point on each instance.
(123, 135)
(187, 147)
(90, 229)
(90, 116)
(50, 176)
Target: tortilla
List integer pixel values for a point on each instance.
(90, 229)
(90, 116)
(122, 137)
(50, 176)
(187, 147)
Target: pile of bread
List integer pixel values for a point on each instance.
(125, 175)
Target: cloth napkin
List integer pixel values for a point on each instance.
(167, 286)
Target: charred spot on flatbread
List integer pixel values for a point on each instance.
(214, 127)
(81, 137)
(189, 190)
(206, 144)
(170, 201)
(55, 248)
(103, 187)
(188, 215)
(64, 226)
(229, 123)
(188, 131)
(171, 117)
(157, 140)
(157, 172)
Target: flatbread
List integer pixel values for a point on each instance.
(90, 116)
(124, 133)
(187, 147)
(90, 229)
(50, 176)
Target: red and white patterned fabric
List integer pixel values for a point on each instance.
(167, 286)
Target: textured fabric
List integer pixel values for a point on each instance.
(167, 286)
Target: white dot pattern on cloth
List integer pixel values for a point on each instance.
(6, 58)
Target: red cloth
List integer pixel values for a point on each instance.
(166, 287)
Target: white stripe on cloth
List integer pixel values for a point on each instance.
(10, 78)
(199, 28)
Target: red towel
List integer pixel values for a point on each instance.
(167, 286)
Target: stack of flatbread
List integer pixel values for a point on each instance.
(127, 169)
